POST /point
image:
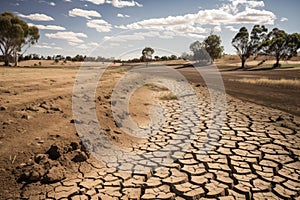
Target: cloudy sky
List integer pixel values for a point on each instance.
(121, 28)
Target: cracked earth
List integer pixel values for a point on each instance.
(251, 153)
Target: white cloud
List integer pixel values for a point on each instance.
(100, 25)
(122, 15)
(196, 36)
(234, 5)
(71, 37)
(67, 0)
(121, 3)
(47, 47)
(85, 46)
(47, 2)
(284, 19)
(48, 27)
(236, 12)
(231, 28)
(77, 12)
(116, 3)
(138, 36)
(253, 16)
(37, 17)
(217, 29)
(97, 2)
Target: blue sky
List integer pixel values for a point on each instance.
(122, 28)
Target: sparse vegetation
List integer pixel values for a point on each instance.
(270, 82)
(168, 97)
(155, 87)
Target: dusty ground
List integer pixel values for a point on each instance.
(255, 155)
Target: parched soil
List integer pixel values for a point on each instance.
(252, 152)
(275, 96)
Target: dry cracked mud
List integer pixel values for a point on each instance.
(251, 153)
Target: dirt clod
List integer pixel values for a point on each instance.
(53, 152)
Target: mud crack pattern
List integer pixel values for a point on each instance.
(254, 155)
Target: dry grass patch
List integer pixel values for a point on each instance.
(155, 87)
(168, 97)
(270, 82)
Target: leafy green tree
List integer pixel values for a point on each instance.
(147, 53)
(212, 45)
(199, 53)
(14, 35)
(281, 45)
(247, 44)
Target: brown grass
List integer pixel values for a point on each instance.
(270, 82)
(168, 97)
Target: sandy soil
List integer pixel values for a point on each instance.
(36, 117)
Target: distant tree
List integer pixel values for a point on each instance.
(199, 53)
(28, 57)
(212, 45)
(281, 45)
(49, 58)
(79, 58)
(157, 58)
(91, 59)
(164, 58)
(14, 35)
(247, 46)
(186, 56)
(35, 57)
(68, 58)
(173, 57)
(147, 53)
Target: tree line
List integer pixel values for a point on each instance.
(276, 43)
(16, 34)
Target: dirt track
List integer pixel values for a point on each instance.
(254, 156)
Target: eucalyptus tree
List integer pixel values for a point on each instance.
(199, 52)
(281, 45)
(247, 44)
(147, 53)
(212, 44)
(15, 34)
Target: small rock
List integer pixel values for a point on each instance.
(53, 152)
(75, 121)
(45, 106)
(107, 96)
(40, 158)
(34, 176)
(279, 118)
(80, 157)
(3, 108)
(56, 109)
(30, 108)
(25, 116)
(74, 145)
(55, 174)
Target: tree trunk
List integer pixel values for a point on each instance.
(6, 60)
(16, 58)
(277, 65)
(243, 63)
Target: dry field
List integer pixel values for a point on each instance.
(253, 154)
